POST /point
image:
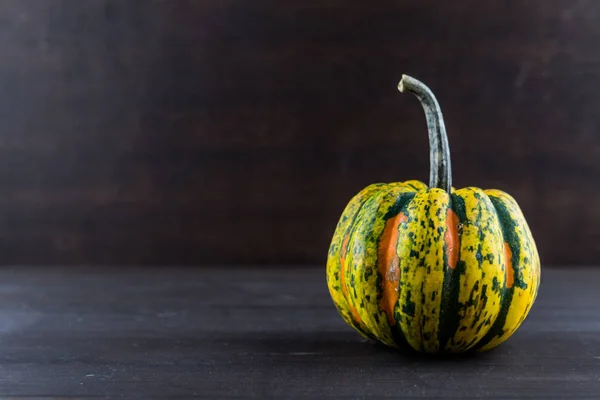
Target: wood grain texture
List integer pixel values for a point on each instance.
(218, 333)
(195, 131)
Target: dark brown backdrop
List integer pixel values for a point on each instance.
(236, 131)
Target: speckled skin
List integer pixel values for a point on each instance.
(410, 265)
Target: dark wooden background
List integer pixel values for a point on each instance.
(199, 132)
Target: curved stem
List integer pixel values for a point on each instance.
(440, 171)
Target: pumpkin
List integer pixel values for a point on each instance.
(433, 268)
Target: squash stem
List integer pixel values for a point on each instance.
(440, 171)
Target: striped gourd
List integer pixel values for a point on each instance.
(438, 269)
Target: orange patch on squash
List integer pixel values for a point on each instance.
(388, 263)
(451, 238)
(510, 271)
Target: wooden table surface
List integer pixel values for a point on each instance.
(212, 333)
